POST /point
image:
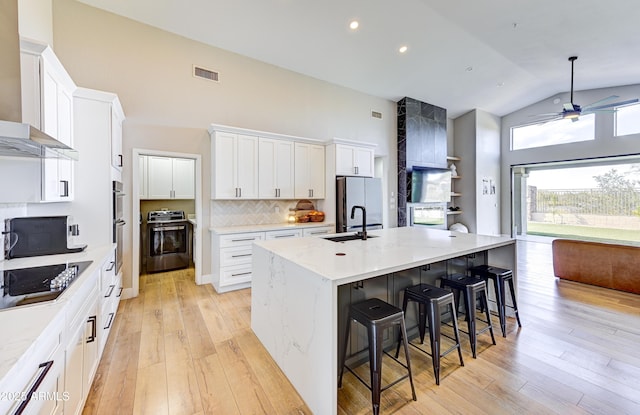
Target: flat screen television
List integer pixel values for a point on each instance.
(429, 186)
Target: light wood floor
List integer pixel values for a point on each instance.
(179, 348)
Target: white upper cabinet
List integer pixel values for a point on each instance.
(354, 160)
(309, 171)
(275, 166)
(169, 178)
(235, 166)
(47, 104)
(117, 118)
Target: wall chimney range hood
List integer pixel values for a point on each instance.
(24, 140)
(18, 139)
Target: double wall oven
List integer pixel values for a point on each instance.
(168, 240)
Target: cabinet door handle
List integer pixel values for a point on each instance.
(111, 287)
(65, 188)
(120, 292)
(240, 191)
(108, 326)
(119, 160)
(355, 169)
(46, 366)
(93, 320)
(113, 264)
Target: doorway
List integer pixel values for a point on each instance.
(137, 211)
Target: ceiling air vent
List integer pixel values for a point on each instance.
(376, 114)
(208, 74)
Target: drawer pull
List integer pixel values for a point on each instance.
(93, 320)
(290, 235)
(240, 256)
(243, 240)
(241, 273)
(111, 287)
(46, 366)
(108, 326)
(113, 264)
(120, 292)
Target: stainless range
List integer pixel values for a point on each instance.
(34, 285)
(168, 240)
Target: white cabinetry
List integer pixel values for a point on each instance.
(232, 260)
(47, 104)
(231, 253)
(110, 293)
(117, 118)
(275, 169)
(309, 171)
(42, 373)
(354, 160)
(82, 351)
(235, 170)
(169, 178)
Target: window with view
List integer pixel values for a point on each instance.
(553, 132)
(628, 120)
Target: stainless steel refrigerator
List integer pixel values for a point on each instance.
(358, 191)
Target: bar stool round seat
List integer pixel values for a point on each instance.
(431, 300)
(377, 315)
(499, 276)
(471, 288)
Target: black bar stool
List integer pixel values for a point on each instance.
(377, 315)
(471, 288)
(430, 301)
(500, 276)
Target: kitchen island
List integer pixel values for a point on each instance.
(299, 285)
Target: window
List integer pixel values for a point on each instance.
(553, 132)
(628, 120)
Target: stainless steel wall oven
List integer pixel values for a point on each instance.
(168, 240)
(118, 222)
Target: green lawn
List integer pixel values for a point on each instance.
(585, 233)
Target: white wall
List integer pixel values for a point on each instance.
(167, 109)
(604, 145)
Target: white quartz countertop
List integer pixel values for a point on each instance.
(392, 250)
(22, 326)
(221, 230)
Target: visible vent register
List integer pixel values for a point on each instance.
(376, 114)
(208, 74)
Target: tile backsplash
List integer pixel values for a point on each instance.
(249, 212)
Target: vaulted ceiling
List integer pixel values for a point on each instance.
(495, 55)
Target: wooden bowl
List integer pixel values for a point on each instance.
(318, 217)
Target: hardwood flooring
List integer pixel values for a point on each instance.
(179, 348)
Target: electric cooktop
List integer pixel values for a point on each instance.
(35, 285)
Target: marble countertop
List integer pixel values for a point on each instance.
(22, 327)
(221, 230)
(390, 250)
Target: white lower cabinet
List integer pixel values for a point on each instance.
(232, 253)
(38, 388)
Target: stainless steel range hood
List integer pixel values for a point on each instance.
(18, 139)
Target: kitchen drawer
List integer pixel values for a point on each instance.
(285, 233)
(235, 275)
(236, 255)
(322, 230)
(240, 239)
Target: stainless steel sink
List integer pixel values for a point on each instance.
(350, 237)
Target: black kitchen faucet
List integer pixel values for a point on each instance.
(362, 234)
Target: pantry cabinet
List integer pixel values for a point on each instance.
(309, 171)
(47, 104)
(168, 178)
(275, 167)
(235, 166)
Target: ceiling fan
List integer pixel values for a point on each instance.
(571, 111)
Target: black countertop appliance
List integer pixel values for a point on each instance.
(40, 235)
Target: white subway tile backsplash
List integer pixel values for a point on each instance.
(249, 212)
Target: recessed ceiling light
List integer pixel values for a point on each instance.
(556, 101)
(354, 24)
(500, 84)
(403, 49)
(469, 68)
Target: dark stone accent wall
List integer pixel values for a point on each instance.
(422, 142)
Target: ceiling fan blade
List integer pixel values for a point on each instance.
(601, 101)
(615, 104)
(548, 114)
